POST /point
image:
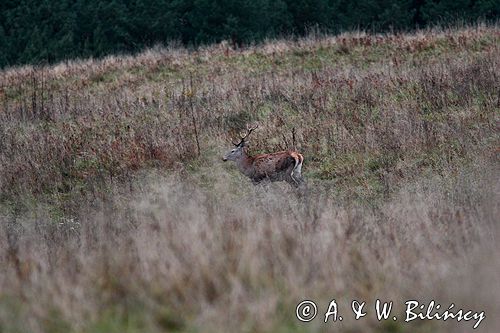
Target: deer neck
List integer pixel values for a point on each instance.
(245, 164)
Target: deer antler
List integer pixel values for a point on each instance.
(249, 130)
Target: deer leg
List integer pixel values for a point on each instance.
(292, 180)
(257, 181)
(295, 180)
(296, 174)
(261, 180)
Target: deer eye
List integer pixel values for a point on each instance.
(232, 151)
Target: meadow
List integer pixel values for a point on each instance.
(117, 213)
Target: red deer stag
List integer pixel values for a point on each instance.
(280, 166)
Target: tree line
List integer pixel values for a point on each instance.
(46, 31)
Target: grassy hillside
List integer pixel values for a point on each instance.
(118, 215)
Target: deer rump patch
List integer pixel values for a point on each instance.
(273, 167)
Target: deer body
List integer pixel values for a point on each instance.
(280, 166)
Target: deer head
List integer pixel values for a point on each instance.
(238, 152)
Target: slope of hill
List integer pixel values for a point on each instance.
(117, 213)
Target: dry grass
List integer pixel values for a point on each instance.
(111, 221)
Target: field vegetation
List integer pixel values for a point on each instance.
(117, 213)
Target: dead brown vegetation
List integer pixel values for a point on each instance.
(112, 219)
